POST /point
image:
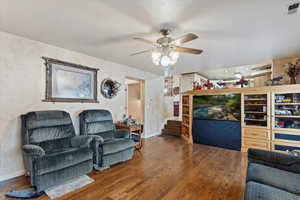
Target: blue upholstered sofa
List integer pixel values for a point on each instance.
(52, 152)
(272, 176)
(110, 146)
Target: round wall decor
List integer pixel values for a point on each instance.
(109, 88)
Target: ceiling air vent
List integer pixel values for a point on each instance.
(293, 8)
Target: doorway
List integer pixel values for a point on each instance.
(135, 99)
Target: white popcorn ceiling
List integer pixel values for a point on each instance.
(232, 32)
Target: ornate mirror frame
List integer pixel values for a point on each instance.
(114, 88)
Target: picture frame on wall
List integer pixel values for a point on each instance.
(69, 82)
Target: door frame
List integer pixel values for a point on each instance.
(142, 93)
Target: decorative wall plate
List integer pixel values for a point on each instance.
(110, 88)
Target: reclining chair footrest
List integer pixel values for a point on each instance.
(96, 167)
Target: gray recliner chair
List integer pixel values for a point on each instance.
(52, 152)
(272, 176)
(110, 146)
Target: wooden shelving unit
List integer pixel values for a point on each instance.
(261, 110)
(186, 125)
(287, 104)
(187, 114)
(286, 110)
(255, 109)
(285, 120)
(287, 116)
(255, 121)
(254, 112)
(256, 99)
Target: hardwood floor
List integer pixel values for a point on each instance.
(167, 168)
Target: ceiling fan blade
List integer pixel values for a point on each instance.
(185, 38)
(264, 67)
(188, 50)
(141, 52)
(143, 40)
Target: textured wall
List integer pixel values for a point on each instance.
(22, 87)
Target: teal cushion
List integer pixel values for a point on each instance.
(47, 125)
(51, 133)
(100, 127)
(116, 145)
(96, 115)
(107, 135)
(62, 159)
(257, 191)
(44, 119)
(55, 145)
(274, 177)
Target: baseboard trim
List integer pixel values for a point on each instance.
(12, 175)
(152, 135)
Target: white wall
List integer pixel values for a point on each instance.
(169, 102)
(135, 103)
(22, 87)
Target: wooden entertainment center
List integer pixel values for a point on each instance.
(270, 116)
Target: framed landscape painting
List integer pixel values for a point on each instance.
(69, 82)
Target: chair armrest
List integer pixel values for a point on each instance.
(97, 138)
(294, 152)
(275, 159)
(96, 146)
(122, 133)
(81, 141)
(33, 150)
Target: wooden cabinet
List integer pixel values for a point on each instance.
(255, 138)
(281, 129)
(255, 143)
(256, 133)
(270, 116)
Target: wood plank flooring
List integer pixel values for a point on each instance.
(168, 169)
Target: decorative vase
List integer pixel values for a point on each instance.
(293, 71)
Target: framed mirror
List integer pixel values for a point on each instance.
(110, 88)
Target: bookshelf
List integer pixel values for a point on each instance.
(286, 110)
(255, 121)
(270, 116)
(255, 109)
(285, 121)
(187, 104)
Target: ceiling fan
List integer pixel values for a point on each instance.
(165, 50)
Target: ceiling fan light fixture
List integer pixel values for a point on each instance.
(174, 55)
(166, 50)
(164, 59)
(156, 55)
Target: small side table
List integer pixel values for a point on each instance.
(135, 130)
